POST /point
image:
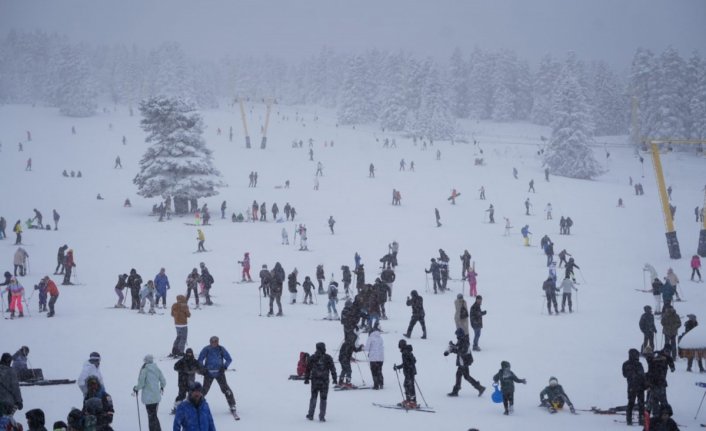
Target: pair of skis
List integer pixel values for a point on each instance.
(400, 406)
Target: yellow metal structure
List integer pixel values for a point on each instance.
(245, 123)
(267, 123)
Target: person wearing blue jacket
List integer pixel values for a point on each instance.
(193, 414)
(161, 283)
(525, 234)
(215, 359)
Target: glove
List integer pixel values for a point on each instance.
(484, 312)
(395, 368)
(523, 381)
(134, 389)
(446, 353)
(306, 381)
(161, 391)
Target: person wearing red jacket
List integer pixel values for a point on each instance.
(69, 264)
(245, 263)
(53, 293)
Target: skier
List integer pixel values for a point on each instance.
(332, 300)
(562, 256)
(531, 186)
(443, 268)
(528, 205)
(161, 284)
(180, 313)
(307, 286)
(3, 225)
(303, 245)
(292, 285)
(562, 226)
(287, 208)
(388, 278)
(192, 283)
(17, 229)
(265, 280)
(38, 218)
(263, 212)
(151, 382)
(292, 212)
(409, 370)
(276, 288)
(690, 324)
(194, 412)
(476, 317)
(482, 193)
(147, 294)
(56, 221)
(318, 368)
(118, 164)
(255, 207)
(206, 281)
(346, 278)
(673, 280)
(320, 278)
(549, 251)
(514, 172)
(569, 223)
(491, 214)
(376, 355)
(507, 379)
(275, 211)
(648, 328)
(371, 171)
(16, 292)
(53, 293)
(200, 237)
(245, 263)
(508, 226)
(525, 234)
(331, 222)
(345, 354)
(548, 211)
(359, 276)
(695, 266)
(569, 269)
(394, 248)
(464, 359)
(134, 281)
(20, 261)
(223, 210)
(435, 274)
(187, 367)
(671, 322)
(319, 169)
(550, 290)
(417, 304)
(403, 165)
(10, 394)
(215, 360)
(634, 373)
(553, 397)
(566, 287)
(657, 365)
(473, 280)
(60, 256)
(438, 217)
(90, 368)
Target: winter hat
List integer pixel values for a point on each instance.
(189, 351)
(647, 308)
(6, 359)
(149, 359)
(94, 358)
(460, 332)
(213, 339)
(321, 347)
(553, 381)
(93, 406)
(195, 386)
(35, 418)
(264, 266)
(504, 364)
(633, 354)
(414, 293)
(8, 274)
(459, 296)
(691, 316)
(333, 283)
(59, 426)
(401, 344)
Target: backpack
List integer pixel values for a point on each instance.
(333, 291)
(319, 367)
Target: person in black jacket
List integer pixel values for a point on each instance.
(98, 403)
(349, 319)
(348, 348)
(476, 317)
(318, 367)
(10, 395)
(657, 365)
(276, 288)
(206, 280)
(388, 277)
(346, 279)
(569, 269)
(134, 282)
(60, 259)
(265, 280)
(320, 278)
(417, 304)
(465, 264)
(292, 284)
(634, 373)
(435, 274)
(464, 359)
(648, 328)
(550, 290)
(409, 370)
(187, 367)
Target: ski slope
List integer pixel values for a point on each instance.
(584, 350)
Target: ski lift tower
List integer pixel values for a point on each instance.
(268, 102)
(245, 124)
(671, 234)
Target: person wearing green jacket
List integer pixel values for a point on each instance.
(151, 382)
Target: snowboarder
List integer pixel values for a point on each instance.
(550, 290)
(461, 313)
(161, 284)
(417, 304)
(200, 237)
(476, 317)
(245, 263)
(151, 382)
(507, 379)
(435, 274)
(464, 359)
(438, 217)
(409, 370)
(215, 360)
(318, 368)
(180, 313)
(187, 367)
(648, 328)
(634, 373)
(553, 397)
(194, 412)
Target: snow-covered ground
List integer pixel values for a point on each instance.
(584, 350)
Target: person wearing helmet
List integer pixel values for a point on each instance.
(215, 359)
(553, 397)
(90, 368)
(318, 368)
(409, 370)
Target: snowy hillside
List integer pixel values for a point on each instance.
(584, 350)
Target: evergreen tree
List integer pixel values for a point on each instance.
(609, 107)
(177, 163)
(672, 104)
(394, 112)
(697, 103)
(460, 85)
(642, 88)
(434, 118)
(75, 93)
(568, 153)
(356, 94)
(544, 81)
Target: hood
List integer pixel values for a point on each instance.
(181, 299)
(633, 354)
(321, 347)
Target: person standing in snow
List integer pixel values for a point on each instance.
(308, 287)
(674, 281)
(548, 211)
(192, 284)
(671, 322)
(56, 219)
(3, 225)
(285, 236)
(562, 257)
(17, 229)
(194, 412)
(331, 222)
(634, 373)
(275, 211)
(292, 284)
(180, 313)
(245, 263)
(206, 281)
(134, 282)
(528, 205)
(435, 272)
(90, 368)
(16, 293)
(476, 318)
(409, 370)
(507, 379)
(648, 328)
(318, 368)
(566, 286)
(201, 238)
(417, 304)
(20, 261)
(147, 294)
(690, 324)
(276, 289)
(695, 266)
(438, 217)
(320, 278)
(464, 359)
(345, 355)
(332, 300)
(265, 280)
(346, 278)
(60, 256)
(151, 382)
(569, 269)
(531, 186)
(161, 284)
(215, 360)
(38, 217)
(375, 349)
(187, 367)
(525, 234)
(550, 290)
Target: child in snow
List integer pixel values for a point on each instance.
(507, 379)
(147, 294)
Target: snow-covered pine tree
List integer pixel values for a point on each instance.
(460, 85)
(434, 118)
(167, 72)
(394, 111)
(697, 104)
(642, 87)
(356, 94)
(609, 107)
(482, 84)
(544, 81)
(672, 103)
(568, 153)
(177, 163)
(75, 92)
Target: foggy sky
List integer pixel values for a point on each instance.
(607, 30)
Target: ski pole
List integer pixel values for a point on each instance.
(426, 288)
(577, 301)
(359, 370)
(397, 373)
(700, 404)
(26, 306)
(583, 279)
(260, 297)
(420, 393)
(541, 310)
(137, 403)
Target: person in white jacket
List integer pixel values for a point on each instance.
(375, 349)
(151, 382)
(90, 368)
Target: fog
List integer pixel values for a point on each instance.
(608, 30)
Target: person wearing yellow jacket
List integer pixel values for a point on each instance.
(201, 238)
